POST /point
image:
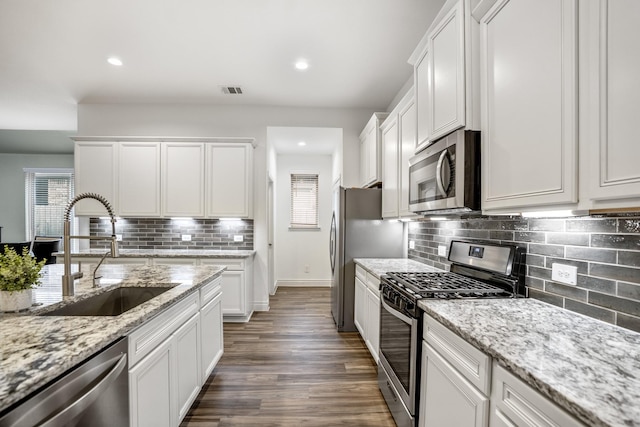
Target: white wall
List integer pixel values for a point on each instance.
(300, 248)
(235, 120)
(12, 205)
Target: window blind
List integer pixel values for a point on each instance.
(304, 200)
(47, 193)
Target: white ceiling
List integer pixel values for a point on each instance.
(322, 141)
(181, 51)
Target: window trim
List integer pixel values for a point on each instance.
(29, 174)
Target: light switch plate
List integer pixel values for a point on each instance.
(412, 244)
(238, 238)
(119, 237)
(564, 273)
(442, 250)
(186, 237)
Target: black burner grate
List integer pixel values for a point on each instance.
(425, 285)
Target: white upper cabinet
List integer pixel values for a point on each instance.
(371, 152)
(398, 145)
(96, 171)
(139, 179)
(445, 74)
(390, 151)
(528, 51)
(183, 179)
(611, 170)
(229, 180)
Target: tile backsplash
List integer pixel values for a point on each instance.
(156, 233)
(605, 250)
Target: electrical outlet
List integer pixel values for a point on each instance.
(306, 269)
(119, 237)
(412, 244)
(564, 273)
(442, 250)
(238, 238)
(186, 237)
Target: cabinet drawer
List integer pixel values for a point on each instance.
(230, 263)
(473, 364)
(515, 403)
(210, 290)
(361, 273)
(373, 283)
(150, 334)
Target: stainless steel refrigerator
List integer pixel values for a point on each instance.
(358, 231)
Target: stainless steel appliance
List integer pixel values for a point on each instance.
(95, 393)
(445, 177)
(477, 271)
(358, 231)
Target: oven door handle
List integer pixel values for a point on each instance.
(396, 313)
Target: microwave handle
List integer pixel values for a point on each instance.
(439, 182)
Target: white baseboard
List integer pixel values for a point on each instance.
(236, 319)
(303, 283)
(261, 306)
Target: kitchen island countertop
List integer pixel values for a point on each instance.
(165, 253)
(36, 349)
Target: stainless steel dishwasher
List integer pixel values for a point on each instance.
(94, 393)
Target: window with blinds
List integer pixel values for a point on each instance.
(304, 200)
(47, 193)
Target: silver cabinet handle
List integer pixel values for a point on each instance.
(439, 182)
(62, 418)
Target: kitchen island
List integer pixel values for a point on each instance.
(36, 349)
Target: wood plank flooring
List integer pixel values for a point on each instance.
(290, 367)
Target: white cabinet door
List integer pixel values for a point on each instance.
(229, 180)
(359, 308)
(447, 73)
(188, 363)
(421, 81)
(233, 293)
(139, 179)
(514, 403)
(96, 171)
(373, 323)
(407, 135)
(212, 340)
(389, 131)
(612, 172)
(151, 389)
(370, 151)
(183, 176)
(529, 104)
(446, 397)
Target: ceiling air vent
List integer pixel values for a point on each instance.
(232, 90)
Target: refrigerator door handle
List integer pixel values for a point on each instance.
(332, 243)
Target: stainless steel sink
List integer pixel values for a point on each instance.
(110, 303)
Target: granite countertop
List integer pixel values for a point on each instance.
(36, 349)
(588, 367)
(380, 266)
(167, 253)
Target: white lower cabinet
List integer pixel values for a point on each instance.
(150, 389)
(459, 386)
(514, 403)
(237, 287)
(367, 310)
(169, 354)
(449, 398)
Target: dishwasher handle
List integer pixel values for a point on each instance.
(81, 403)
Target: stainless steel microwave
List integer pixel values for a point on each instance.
(445, 177)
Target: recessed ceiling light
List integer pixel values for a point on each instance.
(302, 65)
(302, 143)
(115, 61)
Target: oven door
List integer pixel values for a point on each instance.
(398, 355)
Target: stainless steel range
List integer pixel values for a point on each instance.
(478, 270)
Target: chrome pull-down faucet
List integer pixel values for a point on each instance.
(68, 278)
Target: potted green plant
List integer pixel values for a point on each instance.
(18, 275)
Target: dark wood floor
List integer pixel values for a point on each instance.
(290, 367)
